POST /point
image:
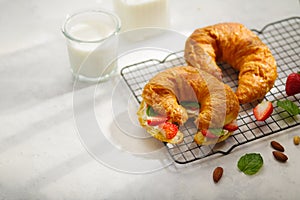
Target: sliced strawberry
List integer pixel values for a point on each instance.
(232, 126)
(263, 110)
(208, 134)
(169, 129)
(154, 121)
(292, 85)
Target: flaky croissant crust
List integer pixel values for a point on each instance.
(218, 103)
(238, 46)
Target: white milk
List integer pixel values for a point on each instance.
(92, 39)
(92, 59)
(142, 13)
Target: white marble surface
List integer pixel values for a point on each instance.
(41, 154)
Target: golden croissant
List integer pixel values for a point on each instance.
(166, 91)
(238, 46)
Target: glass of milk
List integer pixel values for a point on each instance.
(92, 40)
(142, 13)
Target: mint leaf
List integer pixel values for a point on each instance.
(218, 132)
(289, 106)
(190, 104)
(250, 163)
(150, 112)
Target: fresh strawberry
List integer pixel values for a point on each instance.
(232, 126)
(169, 129)
(292, 85)
(263, 110)
(208, 134)
(154, 121)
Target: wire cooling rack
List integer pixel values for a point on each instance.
(283, 38)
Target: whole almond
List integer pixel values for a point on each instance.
(280, 156)
(217, 174)
(277, 146)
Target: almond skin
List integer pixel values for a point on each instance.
(277, 146)
(280, 156)
(217, 174)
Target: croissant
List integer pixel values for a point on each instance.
(238, 46)
(167, 90)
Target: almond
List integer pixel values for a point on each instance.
(277, 146)
(280, 156)
(217, 174)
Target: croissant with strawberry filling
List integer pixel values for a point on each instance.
(173, 96)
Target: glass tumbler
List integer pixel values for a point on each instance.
(142, 13)
(92, 42)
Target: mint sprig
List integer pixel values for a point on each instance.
(250, 163)
(289, 106)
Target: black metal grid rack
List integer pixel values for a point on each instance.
(283, 38)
